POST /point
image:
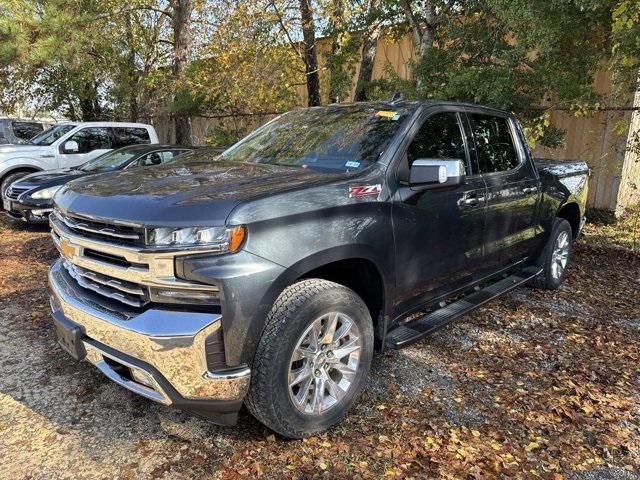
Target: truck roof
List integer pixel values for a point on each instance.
(415, 104)
(107, 124)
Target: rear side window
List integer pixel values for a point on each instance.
(92, 138)
(156, 158)
(26, 130)
(494, 143)
(126, 136)
(439, 137)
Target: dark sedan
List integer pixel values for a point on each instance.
(31, 198)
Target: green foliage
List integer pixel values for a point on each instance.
(520, 55)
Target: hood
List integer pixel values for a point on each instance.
(20, 149)
(50, 178)
(183, 193)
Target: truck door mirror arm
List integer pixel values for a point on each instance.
(427, 173)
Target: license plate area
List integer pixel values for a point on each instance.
(69, 336)
(6, 204)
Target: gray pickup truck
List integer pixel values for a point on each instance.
(270, 274)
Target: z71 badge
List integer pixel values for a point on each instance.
(364, 190)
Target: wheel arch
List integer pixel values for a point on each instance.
(570, 212)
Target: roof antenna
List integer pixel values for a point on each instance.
(396, 97)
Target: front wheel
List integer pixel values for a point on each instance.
(313, 358)
(555, 257)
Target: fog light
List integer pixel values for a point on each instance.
(142, 377)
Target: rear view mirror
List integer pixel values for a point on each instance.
(434, 173)
(71, 146)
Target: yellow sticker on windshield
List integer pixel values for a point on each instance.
(388, 114)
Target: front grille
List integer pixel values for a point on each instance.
(122, 234)
(128, 293)
(14, 191)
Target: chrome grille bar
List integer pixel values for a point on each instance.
(131, 289)
(75, 224)
(100, 289)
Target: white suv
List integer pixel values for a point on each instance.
(69, 144)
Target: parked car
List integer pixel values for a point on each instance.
(31, 197)
(268, 275)
(16, 130)
(68, 145)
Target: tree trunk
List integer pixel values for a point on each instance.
(369, 49)
(132, 75)
(90, 109)
(181, 15)
(310, 53)
(337, 43)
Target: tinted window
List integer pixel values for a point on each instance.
(131, 136)
(494, 143)
(155, 158)
(26, 130)
(93, 138)
(439, 137)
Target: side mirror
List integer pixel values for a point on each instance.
(71, 147)
(432, 173)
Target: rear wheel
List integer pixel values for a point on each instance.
(555, 257)
(313, 358)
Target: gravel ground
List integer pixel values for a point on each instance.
(533, 385)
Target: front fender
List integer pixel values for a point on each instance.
(18, 163)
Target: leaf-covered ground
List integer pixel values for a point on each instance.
(534, 385)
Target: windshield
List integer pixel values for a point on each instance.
(330, 139)
(51, 135)
(109, 161)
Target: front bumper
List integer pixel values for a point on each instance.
(31, 213)
(164, 348)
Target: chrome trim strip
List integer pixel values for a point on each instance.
(103, 231)
(101, 291)
(171, 341)
(106, 281)
(96, 356)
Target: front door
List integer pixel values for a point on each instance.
(512, 189)
(438, 232)
(92, 142)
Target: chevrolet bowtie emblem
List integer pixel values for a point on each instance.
(67, 249)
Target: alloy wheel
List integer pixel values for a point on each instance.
(560, 255)
(324, 363)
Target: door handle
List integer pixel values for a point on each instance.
(529, 190)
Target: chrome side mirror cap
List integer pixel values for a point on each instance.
(436, 173)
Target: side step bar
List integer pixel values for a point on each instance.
(415, 330)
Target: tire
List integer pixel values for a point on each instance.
(287, 409)
(8, 180)
(554, 259)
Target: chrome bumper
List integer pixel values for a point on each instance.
(171, 342)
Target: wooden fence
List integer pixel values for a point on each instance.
(599, 139)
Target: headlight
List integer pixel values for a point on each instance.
(222, 239)
(46, 193)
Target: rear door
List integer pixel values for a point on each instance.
(438, 232)
(512, 188)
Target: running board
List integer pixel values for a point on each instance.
(416, 329)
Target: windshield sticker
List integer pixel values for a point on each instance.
(352, 164)
(364, 190)
(388, 114)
